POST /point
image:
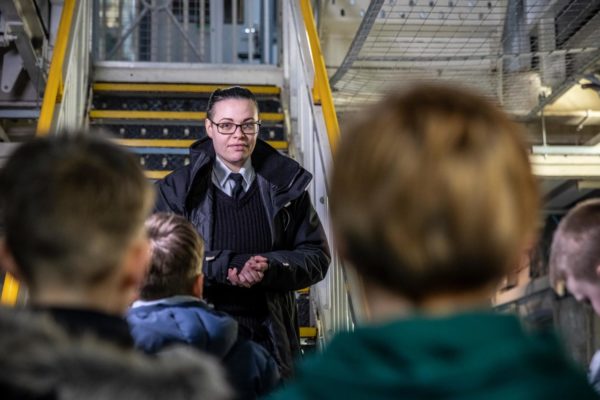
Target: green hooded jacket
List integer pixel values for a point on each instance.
(476, 355)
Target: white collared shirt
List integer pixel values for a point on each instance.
(220, 176)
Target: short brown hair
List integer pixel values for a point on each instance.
(432, 192)
(71, 205)
(177, 252)
(575, 246)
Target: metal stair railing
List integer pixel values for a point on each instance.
(65, 97)
(314, 133)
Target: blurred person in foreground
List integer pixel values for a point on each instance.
(73, 209)
(575, 263)
(432, 200)
(171, 310)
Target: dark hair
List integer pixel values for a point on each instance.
(71, 205)
(177, 252)
(432, 192)
(234, 92)
(575, 246)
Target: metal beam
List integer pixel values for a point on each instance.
(358, 41)
(21, 113)
(24, 28)
(566, 150)
(31, 62)
(565, 166)
(222, 74)
(486, 56)
(28, 12)
(12, 65)
(24, 11)
(564, 86)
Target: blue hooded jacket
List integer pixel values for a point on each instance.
(155, 325)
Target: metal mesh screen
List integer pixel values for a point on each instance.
(151, 30)
(520, 53)
(189, 31)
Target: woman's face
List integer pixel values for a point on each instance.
(233, 149)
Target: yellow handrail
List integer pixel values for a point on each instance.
(10, 290)
(321, 89)
(54, 87)
(52, 95)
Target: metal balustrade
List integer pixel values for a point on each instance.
(65, 97)
(314, 132)
(187, 31)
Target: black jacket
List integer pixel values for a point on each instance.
(41, 361)
(299, 255)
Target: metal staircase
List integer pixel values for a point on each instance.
(159, 121)
(154, 103)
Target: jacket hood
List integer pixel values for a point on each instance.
(41, 361)
(156, 326)
(281, 171)
(481, 356)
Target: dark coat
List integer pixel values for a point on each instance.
(39, 360)
(470, 356)
(300, 254)
(250, 368)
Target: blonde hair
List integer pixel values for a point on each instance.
(176, 261)
(432, 192)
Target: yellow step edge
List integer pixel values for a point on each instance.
(179, 88)
(303, 291)
(308, 332)
(178, 115)
(156, 174)
(173, 115)
(155, 143)
(277, 144)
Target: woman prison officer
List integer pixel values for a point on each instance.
(263, 237)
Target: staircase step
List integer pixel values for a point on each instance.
(176, 130)
(168, 145)
(166, 115)
(158, 101)
(171, 97)
(159, 122)
(166, 155)
(156, 175)
(308, 332)
(178, 88)
(155, 143)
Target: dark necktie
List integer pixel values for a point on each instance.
(238, 189)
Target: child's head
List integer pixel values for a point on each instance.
(575, 253)
(432, 193)
(73, 209)
(176, 262)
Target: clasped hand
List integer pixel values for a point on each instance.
(251, 273)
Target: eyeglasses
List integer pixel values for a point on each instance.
(228, 128)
